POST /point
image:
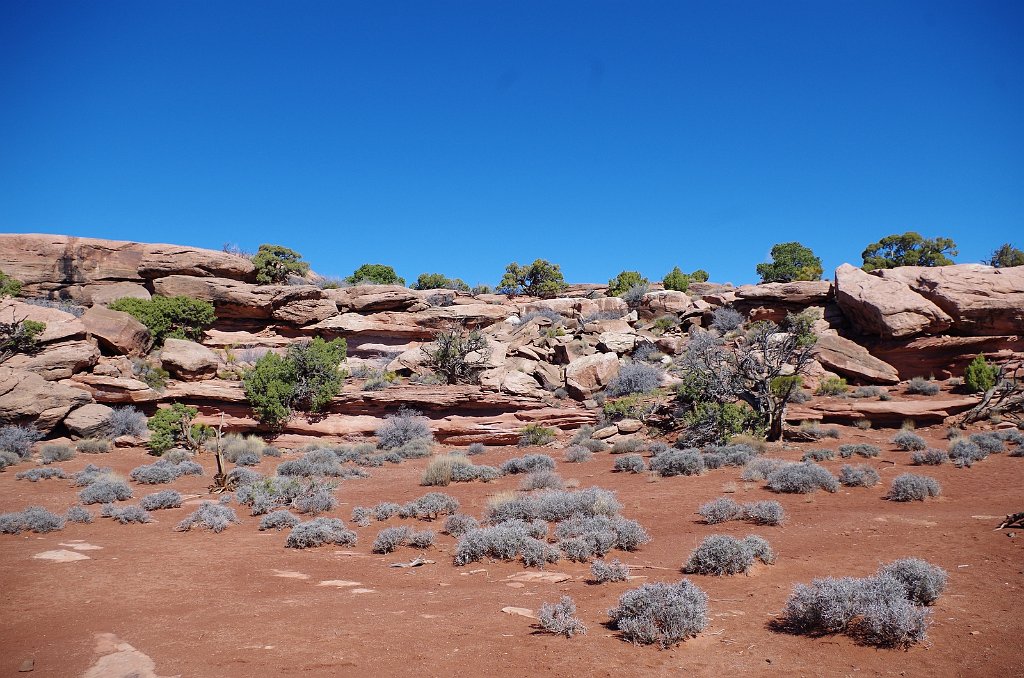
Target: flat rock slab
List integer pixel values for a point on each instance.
(339, 583)
(119, 660)
(289, 574)
(61, 556)
(520, 611)
(81, 546)
(549, 577)
(357, 591)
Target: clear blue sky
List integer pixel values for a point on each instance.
(459, 136)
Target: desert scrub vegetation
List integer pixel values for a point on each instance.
(860, 475)
(527, 464)
(625, 281)
(210, 516)
(78, 514)
(680, 282)
(459, 524)
(93, 446)
(165, 499)
(560, 618)
(868, 392)
(169, 317)
(506, 541)
(661, 613)
(576, 454)
(448, 468)
(164, 471)
(406, 430)
(390, 538)
(306, 378)
(634, 378)
(279, 520)
(32, 519)
(552, 505)
(18, 440)
(964, 453)
(245, 450)
(725, 320)
(457, 355)
(429, 507)
(818, 455)
(630, 463)
(539, 279)
(533, 435)
(126, 514)
(815, 431)
(56, 452)
(104, 489)
(986, 442)
(582, 537)
(375, 274)
(911, 487)
(930, 457)
(34, 475)
(885, 610)
(541, 480)
(19, 336)
(439, 281)
(860, 449)
(908, 441)
(922, 386)
(678, 463)
(980, 376)
(318, 532)
(832, 386)
(173, 427)
(275, 264)
(801, 478)
(475, 449)
(627, 445)
(725, 509)
(264, 495)
(603, 572)
(721, 554)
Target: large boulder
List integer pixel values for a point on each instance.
(372, 298)
(796, 293)
(60, 325)
(188, 360)
(981, 300)
(106, 294)
(116, 331)
(59, 360)
(88, 421)
(587, 375)
(305, 311)
(853, 360)
(665, 302)
(71, 266)
(235, 299)
(27, 398)
(884, 307)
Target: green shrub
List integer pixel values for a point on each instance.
(909, 249)
(680, 282)
(154, 376)
(19, 336)
(625, 281)
(790, 261)
(172, 427)
(306, 378)
(9, 287)
(275, 263)
(980, 376)
(169, 317)
(832, 386)
(539, 279)
(439, 281)
(1006, 256)
(375, 274)
(535, 434)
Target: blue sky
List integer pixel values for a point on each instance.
(459, 136)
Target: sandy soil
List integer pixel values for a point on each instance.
(239, 603)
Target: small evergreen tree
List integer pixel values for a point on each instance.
(680, 282)
(790, 261)
(980, 376)
(539, 279)
(1006, 256)
(375, 274)
(439, 281)
(169, 317)
(173, 426)
(9, 287)
(275, 263)
(624, 282)
(306, 378)
(908, 249)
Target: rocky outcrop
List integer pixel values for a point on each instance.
(884, 307)
(60, 360)
(88, 420)
(236, 299)
(844, 357)
(115, 389)
(981, 300)
(793, 294)
(116, 331)
(27, 398)
(59, 265)
(373, 298)
(943, 356)
(587, 375)
(60, 326)
(932, 410)
(187, 360)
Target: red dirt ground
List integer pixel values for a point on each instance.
(202, 604)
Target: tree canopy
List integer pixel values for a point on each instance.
(908, 249)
